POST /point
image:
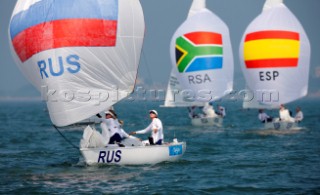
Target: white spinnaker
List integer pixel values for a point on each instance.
(286, 83)
(176, 96)
(107, 74)
(219, 81)
(251, 99)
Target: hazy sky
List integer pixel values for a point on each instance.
(162, 19)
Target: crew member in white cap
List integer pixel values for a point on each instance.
(156, 128)
(111, 129)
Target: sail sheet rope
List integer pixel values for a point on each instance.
(65, 138)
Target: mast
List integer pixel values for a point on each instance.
(271, 3)
(196, 6)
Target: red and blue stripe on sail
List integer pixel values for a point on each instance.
(51, 24)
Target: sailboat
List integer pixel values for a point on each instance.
(202, 60)
(275, 60)
(175, 98)
(83, 57)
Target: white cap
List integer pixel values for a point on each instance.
(154, 111)
(108, 112)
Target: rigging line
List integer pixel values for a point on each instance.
(147, 67)
(74, 146)
(146, 119)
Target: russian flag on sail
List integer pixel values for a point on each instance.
(272, 49)
(50, 24)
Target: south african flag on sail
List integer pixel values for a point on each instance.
(197, 51)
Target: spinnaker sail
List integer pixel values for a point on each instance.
(201, 53)
(275, 57)
(81, 55)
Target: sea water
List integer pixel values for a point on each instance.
(238, 158)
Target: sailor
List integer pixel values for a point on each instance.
(192, 112)
(155, 127)
(221, 111)
(208, 110)
(111, 129)
(284, 114)
(299, 115)
(263, 117)
(120, 122)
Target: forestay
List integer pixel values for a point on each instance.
(275, 57)
(201, 53)
(82, 55)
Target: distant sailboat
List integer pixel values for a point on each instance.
(175, 98)
(83, 56)
(202, 58)
(275, 60)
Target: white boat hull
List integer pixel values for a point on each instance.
(134, 155)
(207, 121)
(281, 125)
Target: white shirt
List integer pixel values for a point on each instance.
(209, 111)
(263, 117)
(222, 111)
(191, 112)
(285, 115)
(110, 127)
(299, 116)
(155, 124)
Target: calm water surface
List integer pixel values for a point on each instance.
(238, 158)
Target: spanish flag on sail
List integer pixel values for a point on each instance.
(272, 49)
